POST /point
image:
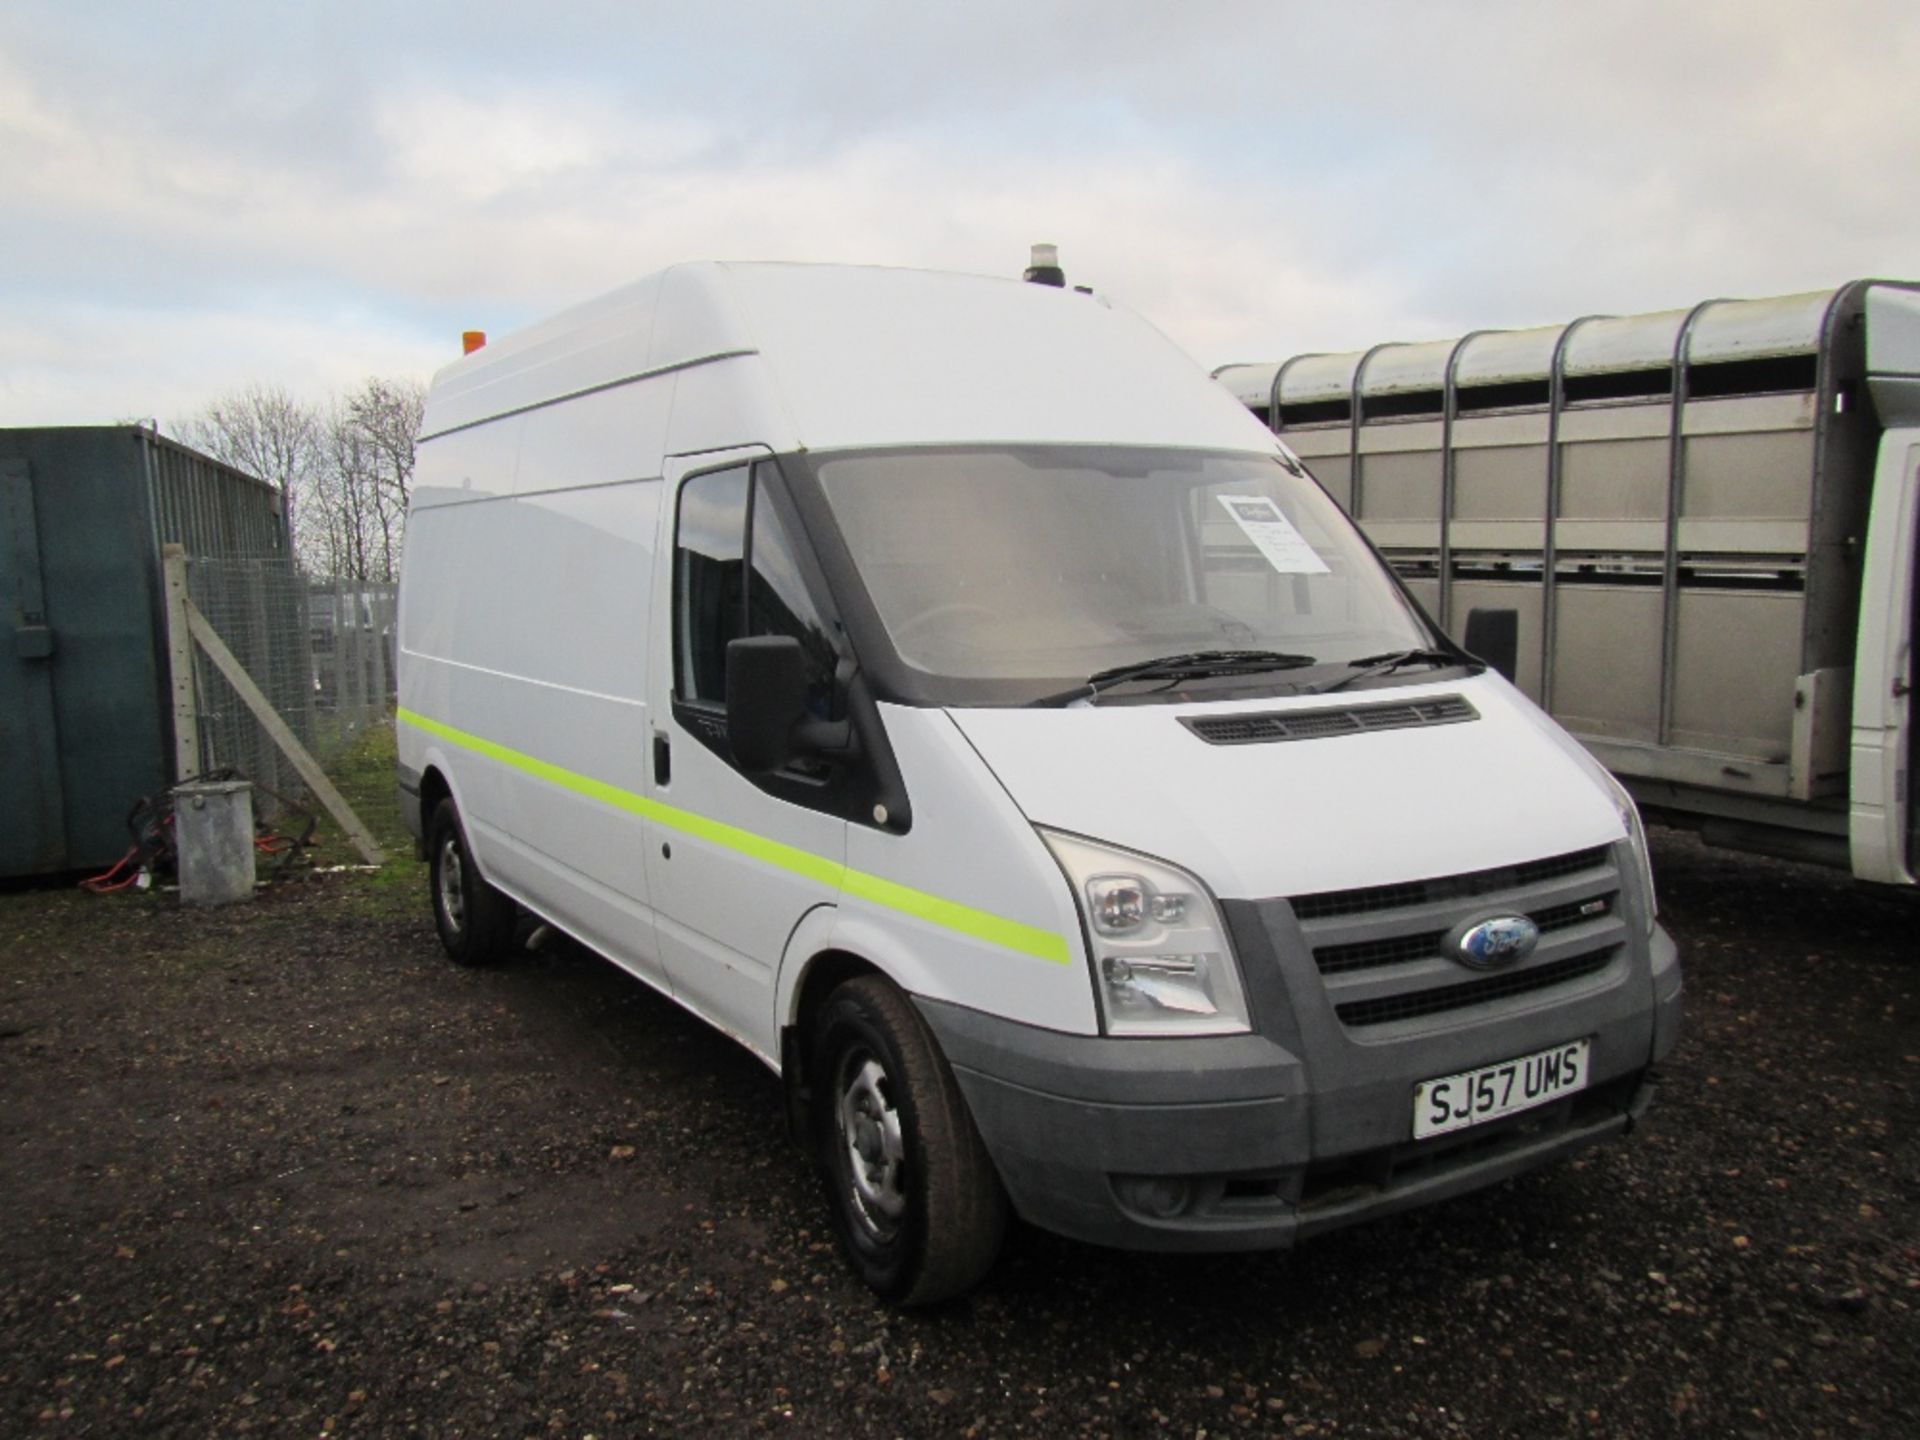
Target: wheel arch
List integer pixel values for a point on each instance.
(434, 788)
(437, 784)
(826, 949)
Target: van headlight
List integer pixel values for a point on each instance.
(1161, 958)
(1637, 841)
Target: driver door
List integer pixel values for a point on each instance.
(736, 860)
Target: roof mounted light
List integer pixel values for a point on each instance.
(472, 340)
(1044, 268)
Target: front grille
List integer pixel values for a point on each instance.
(1415, 1003)
(1359, 902)
(1330, 903)
(1404, 949)
(1381, 952)
(1371, 954)
(1559, 917)
(1552, 868)
(1276, 725)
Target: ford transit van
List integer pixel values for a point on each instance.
(941, 686)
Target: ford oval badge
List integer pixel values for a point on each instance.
(1495, 941)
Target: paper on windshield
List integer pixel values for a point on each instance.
(1273, 535)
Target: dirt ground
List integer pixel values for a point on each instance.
(282, 1169)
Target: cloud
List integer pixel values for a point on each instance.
(83, 364)
(447, 146)
(285, 196)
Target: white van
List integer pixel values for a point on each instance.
(944, 688)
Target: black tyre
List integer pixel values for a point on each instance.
(475, 920)
(915, 1199)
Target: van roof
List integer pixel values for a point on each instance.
(833, 356)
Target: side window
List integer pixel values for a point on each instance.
(737, 572)
(777, 598)
(709, 582)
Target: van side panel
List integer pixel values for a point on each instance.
(528, 636)
(597, 439)
(721, 404)
(450, 474)
(477, 463)
(603, 340)
(571, 637)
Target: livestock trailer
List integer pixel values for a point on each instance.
(1705, 522)
(85, 713)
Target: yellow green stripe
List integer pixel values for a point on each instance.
(948, 914)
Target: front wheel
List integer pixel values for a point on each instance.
(915, 1199)
(475, 920)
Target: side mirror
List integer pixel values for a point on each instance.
(766, 700)
(767, 720)
(1493, 636)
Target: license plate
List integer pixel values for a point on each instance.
(1474, 1097)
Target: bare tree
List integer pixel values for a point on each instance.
(357, 505)
(345, 471)
(264, 431)
(385, 417)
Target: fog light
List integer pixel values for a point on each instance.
(1164, 1197)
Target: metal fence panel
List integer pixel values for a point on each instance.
(350, 648)
(211, 508)
(320, 649)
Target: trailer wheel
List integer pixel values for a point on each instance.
(475, 920)
(915, 1199)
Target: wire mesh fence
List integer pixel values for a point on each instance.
(350, 649)
(319, 649)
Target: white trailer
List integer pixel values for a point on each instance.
(1704, 521)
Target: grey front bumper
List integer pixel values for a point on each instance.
(1221, 1144)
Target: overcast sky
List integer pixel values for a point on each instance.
(198, 196)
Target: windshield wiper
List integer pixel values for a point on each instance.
(1367, 666)
(1191, 665)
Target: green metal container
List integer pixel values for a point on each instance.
(85, 717)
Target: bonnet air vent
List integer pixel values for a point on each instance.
(1264, 729)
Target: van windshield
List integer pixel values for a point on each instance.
(1032, 569)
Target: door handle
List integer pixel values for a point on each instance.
(662, 760)
(33, 641)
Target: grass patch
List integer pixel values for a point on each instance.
(364, 774)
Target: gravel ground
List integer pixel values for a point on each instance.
(282, 1169)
